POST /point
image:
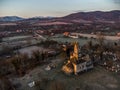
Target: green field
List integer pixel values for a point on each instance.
(81, 41)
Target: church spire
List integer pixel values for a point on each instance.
(75, 53)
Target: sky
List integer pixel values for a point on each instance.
(57, 8)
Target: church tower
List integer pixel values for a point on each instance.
(76, 52)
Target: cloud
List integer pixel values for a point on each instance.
(116, 1)
(76, 11)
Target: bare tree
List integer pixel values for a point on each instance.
(100, 39)
(5, 84)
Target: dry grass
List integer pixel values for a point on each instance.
(55, 79)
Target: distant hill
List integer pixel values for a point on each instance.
(96, 15)
(16, 18)
(38, 18)
(77, 17)
(10, 18)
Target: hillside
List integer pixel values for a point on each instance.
(96, 15)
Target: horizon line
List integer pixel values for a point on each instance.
(78, 11)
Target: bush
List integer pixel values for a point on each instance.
(48, 43)
(56, 85)
(6, 50)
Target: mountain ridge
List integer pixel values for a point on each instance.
(94, 15)
(11, 18)
(90, 16)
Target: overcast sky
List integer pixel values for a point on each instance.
(31, 8)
